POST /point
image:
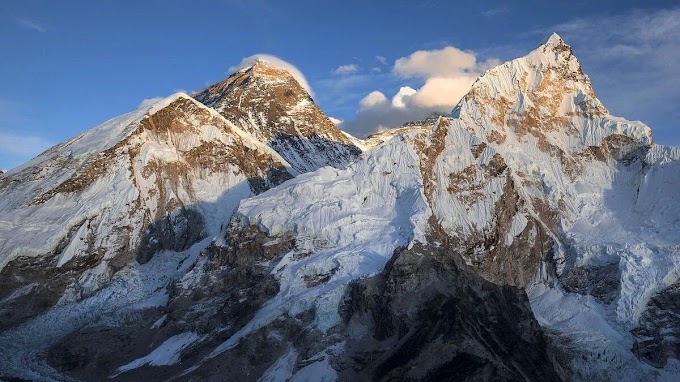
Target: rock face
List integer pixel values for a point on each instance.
(529, 235)
(270, 104)
(428, 316)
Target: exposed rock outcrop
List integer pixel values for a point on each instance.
(270, 104)
(428, 316)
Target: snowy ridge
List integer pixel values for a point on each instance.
(167, 178)
(53, 218)
(593, 197)
(351, 220)
(548, 81)
(167, 353)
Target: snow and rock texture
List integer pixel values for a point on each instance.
(269, 103)
(530, 181)
(157, 180)
(409, 263)
(380, 137)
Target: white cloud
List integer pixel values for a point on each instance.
(31, 25)
(373, 99)
(346, 69)
(442, 93)
(376, 70)
(336, 121)
(446, 62)
(146, 102)
(381, 59)
(403, 95)
(447, 75)
(275, 61)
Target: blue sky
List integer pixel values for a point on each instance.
(68, 66)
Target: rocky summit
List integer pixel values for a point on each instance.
(270, 104)
(526, 235)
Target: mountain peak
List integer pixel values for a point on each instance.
(554, 52)
(554, 40)
(164, 102)
(268, 101)
(548, 74)
(544, 95)
(264, 67)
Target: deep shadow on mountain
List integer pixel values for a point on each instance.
(229, 284)
(313, 151)
(430, 317)
(30, 286)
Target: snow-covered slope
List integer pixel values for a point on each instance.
(350, 221)
(160, 178)
(380, 137)
(269, 103)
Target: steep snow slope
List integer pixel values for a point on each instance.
(350, 221)
(160, 178)
(602, 185)
(268, 102)
(314, 237)
(59, 186)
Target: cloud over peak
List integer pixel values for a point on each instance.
(373, 99)
(275, 61)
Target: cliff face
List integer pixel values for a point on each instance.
(271, 105)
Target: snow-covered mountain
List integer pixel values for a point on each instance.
(269, 103)
(163, 177)
(529, 235)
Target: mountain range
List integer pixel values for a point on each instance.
(238, 234)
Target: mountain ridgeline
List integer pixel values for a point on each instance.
(527, 235)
